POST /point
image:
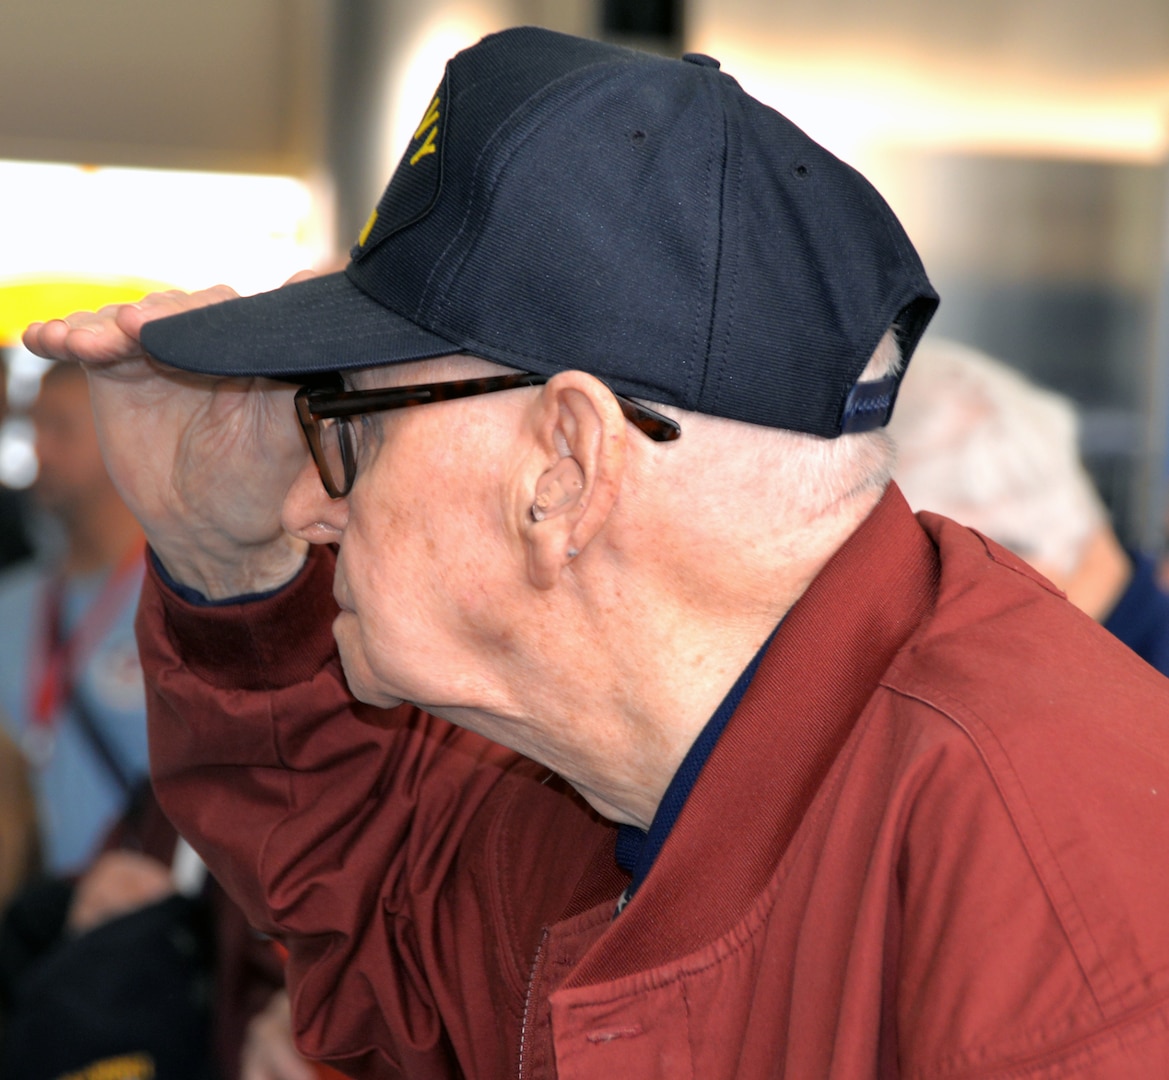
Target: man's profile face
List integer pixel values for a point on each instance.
(426, 579)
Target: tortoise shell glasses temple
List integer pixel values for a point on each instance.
(324, 403)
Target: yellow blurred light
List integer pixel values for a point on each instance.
(29, 300)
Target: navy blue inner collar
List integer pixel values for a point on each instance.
(636, 848)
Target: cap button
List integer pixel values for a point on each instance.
(701, 59)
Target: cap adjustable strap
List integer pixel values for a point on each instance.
(869, 405)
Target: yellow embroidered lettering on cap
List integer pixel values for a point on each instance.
(429, 125)
(367, 228)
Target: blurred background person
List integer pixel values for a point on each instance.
(70, 682)
(981, 443)
(146, 964)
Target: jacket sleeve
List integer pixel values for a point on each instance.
(334, 825)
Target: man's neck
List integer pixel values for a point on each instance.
(652, 691)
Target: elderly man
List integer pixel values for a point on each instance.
(796, 785)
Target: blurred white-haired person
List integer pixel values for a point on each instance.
(981, 443)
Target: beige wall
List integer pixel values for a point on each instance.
(221, 84)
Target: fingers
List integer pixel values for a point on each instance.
(301, 275)
(111, 333)
(86, 336)
(132, 317)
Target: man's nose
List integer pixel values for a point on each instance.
(309, 513)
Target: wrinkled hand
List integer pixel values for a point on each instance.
(203, 462)
(118, 882)
(269, 1053)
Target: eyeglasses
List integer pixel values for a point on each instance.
(325, 412)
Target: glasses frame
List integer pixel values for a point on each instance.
(315, 403)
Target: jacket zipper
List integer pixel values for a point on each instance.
(533, 980)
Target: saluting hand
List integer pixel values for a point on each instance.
(203, 462)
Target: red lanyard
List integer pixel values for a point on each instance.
(62, 655)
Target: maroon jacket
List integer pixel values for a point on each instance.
(933, 841)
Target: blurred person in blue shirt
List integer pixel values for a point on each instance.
(70, 682)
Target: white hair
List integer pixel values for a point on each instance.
(828, 471)
(980, 443)
(802, 476)
(822, 473)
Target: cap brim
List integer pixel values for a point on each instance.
(323, 324)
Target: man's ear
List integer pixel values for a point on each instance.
(580, 440)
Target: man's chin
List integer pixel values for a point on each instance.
(362, 688)
(357, 674)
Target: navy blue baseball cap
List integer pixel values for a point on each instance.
(571, 204)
